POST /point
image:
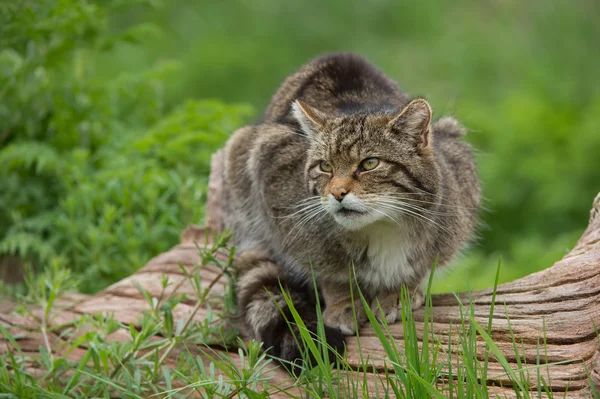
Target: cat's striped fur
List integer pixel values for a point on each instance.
(302, 196)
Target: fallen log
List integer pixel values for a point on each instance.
(557, 309)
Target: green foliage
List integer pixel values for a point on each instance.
(522, 76)
(134, 367)
(95, 174)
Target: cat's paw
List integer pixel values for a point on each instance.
(418, 299)
(341, 317)
(387, 307)
(283, 342)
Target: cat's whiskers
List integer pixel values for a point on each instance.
(303, 202)
(386, 215)
(300, 212)
(305, 205)
(397, 201)
(441, 198)
(402, 201)
(406, 197)
(417, 215)
(421, 192)
(441, 204)
(302, 222)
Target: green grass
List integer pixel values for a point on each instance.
(135, 368)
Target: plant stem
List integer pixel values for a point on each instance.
(199, 304)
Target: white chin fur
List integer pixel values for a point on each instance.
(355, 222)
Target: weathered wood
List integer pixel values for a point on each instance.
(563, 300)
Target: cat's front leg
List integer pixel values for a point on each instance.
(340, 310)
(389, 306)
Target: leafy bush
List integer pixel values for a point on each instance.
(95, 175)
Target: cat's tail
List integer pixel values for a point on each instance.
(266, 316)
(449, 126)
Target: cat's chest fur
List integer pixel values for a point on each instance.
(389, 253)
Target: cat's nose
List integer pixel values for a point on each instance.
(339, 192)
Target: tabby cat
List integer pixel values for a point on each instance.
(345, 179)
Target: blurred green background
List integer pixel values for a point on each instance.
(109, 111)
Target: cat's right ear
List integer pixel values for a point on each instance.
(414, 122)
(310, 119)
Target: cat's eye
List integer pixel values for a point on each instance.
(369, 163)
(326, 167)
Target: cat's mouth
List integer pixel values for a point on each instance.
(349, 212)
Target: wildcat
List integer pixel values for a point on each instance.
(344, 180)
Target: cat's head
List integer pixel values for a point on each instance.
(372, 166)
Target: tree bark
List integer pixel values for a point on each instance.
(558, 307)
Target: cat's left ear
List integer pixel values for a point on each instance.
(310, 119)
(414, 121)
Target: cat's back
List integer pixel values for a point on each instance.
(457, 163)
(338, 83)
(263, 178)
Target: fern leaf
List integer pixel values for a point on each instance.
(37, 156)
(26, 245)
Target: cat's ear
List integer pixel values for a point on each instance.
(415, 121)
(311, 119)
